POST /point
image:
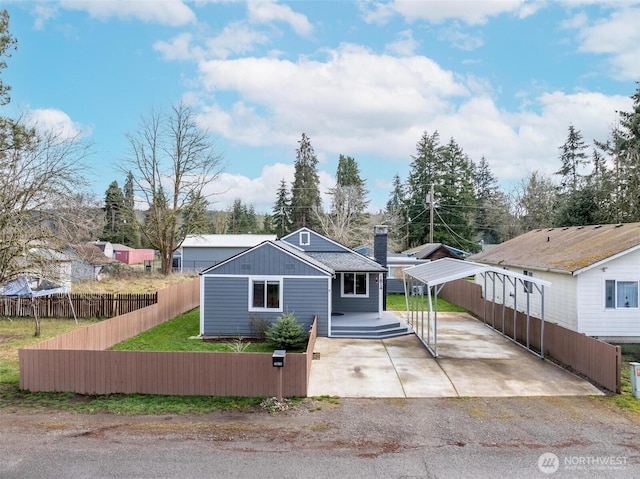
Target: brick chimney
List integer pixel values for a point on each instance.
(380, 233)
(380, 244)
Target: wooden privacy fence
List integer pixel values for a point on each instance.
(85, 305)
(79, 362)
(595, 359)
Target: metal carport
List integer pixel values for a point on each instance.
(434, 275)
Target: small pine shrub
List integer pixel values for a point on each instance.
(286, 333)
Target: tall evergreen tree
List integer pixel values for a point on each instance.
(573, 158)
(457, 202)
(281, 218)
(197, 215)
(425, 171)
(492, 208)
(305, 193)
(626, 150)
(576, 199)
(536, 202)
(131, 233)
(242, 219)
(394, 215)
(114, 214)
(346, 222)
(600, 180)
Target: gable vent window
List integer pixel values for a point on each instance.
(305, 238)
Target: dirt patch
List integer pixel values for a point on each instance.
(365, 428)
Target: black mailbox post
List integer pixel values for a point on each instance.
(278, 358)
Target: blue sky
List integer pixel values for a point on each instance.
(364, 78)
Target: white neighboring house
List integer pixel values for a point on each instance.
(595, 271)
(199, 252)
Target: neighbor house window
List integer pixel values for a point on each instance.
(620, 294)
(265, 294)
(305, 238)
(355, 284)
(528, 287)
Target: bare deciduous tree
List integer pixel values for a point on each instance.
(41, 178)
(172, 161)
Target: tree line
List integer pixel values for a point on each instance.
(172, 161)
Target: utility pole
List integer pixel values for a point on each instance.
(431, 206)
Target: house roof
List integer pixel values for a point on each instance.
(282, 245)
(348, 261)
(225, 241)
(569, 249)
(121, 247)
(91, 254)
(427, 249)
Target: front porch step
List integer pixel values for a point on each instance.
(365, 327)
(370, 331)
(377, 334)
(368, 326)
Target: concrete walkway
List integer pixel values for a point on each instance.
(474, 361)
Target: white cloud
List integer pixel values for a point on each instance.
(471, 12)
(235, 38)
(43, 13)
(404, 46)
(260, 191)
(455, 35)
(268, 11)
(179, 48)
(617, 36)
(166, 12)
(56, 121)
(347, 98)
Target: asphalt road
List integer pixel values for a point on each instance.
(355, 438)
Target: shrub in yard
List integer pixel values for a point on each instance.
(259, 327)
(286, 333)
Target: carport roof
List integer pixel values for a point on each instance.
(449, 269)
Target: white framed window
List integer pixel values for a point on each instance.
(620, 294)
(528, 286)
(265, 294)
(305, 238)
(355, 285)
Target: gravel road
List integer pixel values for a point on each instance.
(368, 438)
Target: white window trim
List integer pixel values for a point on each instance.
(305, 238)
(279, 279)
(615, 294)
(349, 295)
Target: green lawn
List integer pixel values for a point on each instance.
(396, 302)
(174, 336)
(630, 353)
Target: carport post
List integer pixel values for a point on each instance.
(422, 309)
(504, 302)
(542, 321)
(528, 316)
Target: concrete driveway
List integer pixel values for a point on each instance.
(474, 361)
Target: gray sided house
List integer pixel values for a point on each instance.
(263, 283)
(357, 286)
(198, 252)
(305, 274)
